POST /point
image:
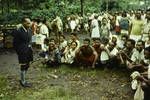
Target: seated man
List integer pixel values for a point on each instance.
(62, 44)
(97, 46)
(112, 52)
(138, 58)
(145, 86)
(144, 78)
(45, 48)
(39, 40)
(86, 54)
(124, 56)
(74, 37)
(53, 55)
(122, 42)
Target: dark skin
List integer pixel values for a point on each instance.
(143, 79)
(97, 46)
(141, 65)
(144, 76)
(85, 45)
(52, 46)
(27, 23)
(124, 55)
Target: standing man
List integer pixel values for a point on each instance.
(22, 45)
(137, 26)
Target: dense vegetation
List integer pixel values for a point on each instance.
(12, 10)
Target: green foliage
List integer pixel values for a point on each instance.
(12, 17)
(12, 10)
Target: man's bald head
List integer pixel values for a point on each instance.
(26, 22)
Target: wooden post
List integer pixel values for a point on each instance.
(8, 6)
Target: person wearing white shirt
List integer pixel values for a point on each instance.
(63, 43)
(144, 77)
(109, 54)
(138, 54)
(44, 29)
(74, 37)
(146, 29)
(40, 40)
(95, 28)
(137, 57)
(121, 42)
(69, 53)
(112, 49)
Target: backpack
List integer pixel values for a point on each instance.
(124, 23)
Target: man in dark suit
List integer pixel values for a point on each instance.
(22, 45)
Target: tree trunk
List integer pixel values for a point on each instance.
(8, 6)
(2, 6)
(82, 11)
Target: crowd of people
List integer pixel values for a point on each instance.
(117, 40)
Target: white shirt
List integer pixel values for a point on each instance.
(63, 44)
(45, 47)
(137, 56)
(40, 39)
(120, 44)
(114, 52)
(104, 56)
(44, 30)
(95, 29)
(146, 27)
(70, 55)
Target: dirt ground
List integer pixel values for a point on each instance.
(62, 83)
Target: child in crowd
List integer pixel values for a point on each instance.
(69, 53)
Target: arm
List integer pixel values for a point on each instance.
(127, 57)
(141, 78)
(58, 57)
(95, 58)
(121, 58)
(130, 26)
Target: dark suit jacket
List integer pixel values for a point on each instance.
(21, 42)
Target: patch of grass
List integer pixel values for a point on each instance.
(72, 83)
(3, 88)
(49, 93)
(3, 82)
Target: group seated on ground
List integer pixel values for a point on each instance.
(91, 53)
(97, 52)
(128, 49)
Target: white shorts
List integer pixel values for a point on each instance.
(135, 37)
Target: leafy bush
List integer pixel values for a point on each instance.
(50, 8)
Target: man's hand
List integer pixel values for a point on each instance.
(140, 78)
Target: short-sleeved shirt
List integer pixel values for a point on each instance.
(137, 56)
